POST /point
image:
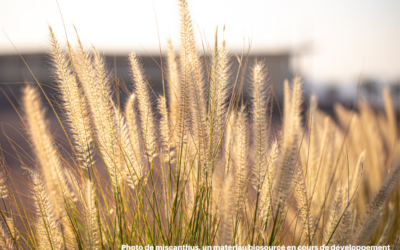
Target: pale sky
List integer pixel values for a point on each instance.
(344, 35)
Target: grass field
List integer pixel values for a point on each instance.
(196, 165)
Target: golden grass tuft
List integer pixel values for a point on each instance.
(200, 166)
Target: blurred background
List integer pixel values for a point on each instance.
(330, 44)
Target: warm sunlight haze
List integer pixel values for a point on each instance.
(334, 40)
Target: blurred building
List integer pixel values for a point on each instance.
(14, 72)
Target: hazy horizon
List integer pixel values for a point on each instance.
(336, 40)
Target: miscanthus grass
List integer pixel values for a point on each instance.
(197, 165)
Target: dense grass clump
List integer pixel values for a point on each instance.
(198, 165)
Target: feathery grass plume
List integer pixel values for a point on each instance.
(291, 136)
(223, 91)
(75, 185)
(74, 101)
(95, 83)
(87, 77)
(167, 148)
(57, 185)
(218, 95)
(144, 103)
(56, 182)
(213, 93)
(76, 65)
(260, 102)
(165, 129)
(130, 166)
(92, 239)
(86, 72)
(6, 242)
(343, 233)
(3, 184)
(228, 148)
(335, 215)
(187, 41)
(369, 220)
(47, 227)
(215, 73)
(174, 88)
(106, 103)
(260, 99)
(267, 184)
(200, 131)
(303, 203)
(97, 89)
(132, 122)
(193, 88)
(225, 212)
(241, 160)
